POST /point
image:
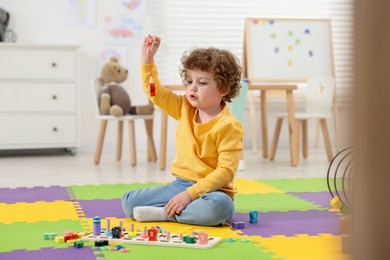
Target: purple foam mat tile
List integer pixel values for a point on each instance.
(319, 198)
(85, 253)
(48, 194)
(102, 208)
(312, 222)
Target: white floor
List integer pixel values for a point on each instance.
(46, 168)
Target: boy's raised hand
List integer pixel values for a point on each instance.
(150, 46)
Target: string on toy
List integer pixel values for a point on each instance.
(152, 87)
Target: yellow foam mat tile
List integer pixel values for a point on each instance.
(322, 247)
(177, 228)
(251, 187)
(37, 211)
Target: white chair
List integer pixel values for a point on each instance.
(97, 85)
(319, 100)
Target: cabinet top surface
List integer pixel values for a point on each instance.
(37, 46)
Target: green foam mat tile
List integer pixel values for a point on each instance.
(272, 202)
(224, 250)
(299, 185)
(107, 191)
(29, 236)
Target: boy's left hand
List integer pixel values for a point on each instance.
(178, 203)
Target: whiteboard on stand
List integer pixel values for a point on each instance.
(287, 50)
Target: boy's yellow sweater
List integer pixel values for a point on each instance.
(208, 153)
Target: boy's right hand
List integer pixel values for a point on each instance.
(150, 46)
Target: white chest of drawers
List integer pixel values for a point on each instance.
(39, 97)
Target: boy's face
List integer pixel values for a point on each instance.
(202, 90)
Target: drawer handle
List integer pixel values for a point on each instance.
(54, 64)
(55, 129)
(54, 97)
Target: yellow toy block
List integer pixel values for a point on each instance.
(59, 239)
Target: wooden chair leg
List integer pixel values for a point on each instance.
(325, 132)
(298, 126)
(133, 153)
(304, 139)
(99, 146)
(318, 133)
(119, 140)
(264, 120)
(163, 141)
(152, 156)
(291, 129)
(275, 139)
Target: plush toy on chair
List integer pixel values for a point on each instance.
(113, 98)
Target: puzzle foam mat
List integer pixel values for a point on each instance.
(293, 223)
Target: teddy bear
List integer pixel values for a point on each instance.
(4, 19)
(113, 98)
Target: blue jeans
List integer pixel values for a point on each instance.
(211, 209)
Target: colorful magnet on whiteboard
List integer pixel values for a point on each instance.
(273, 35)
(290, 47)
(290, 33)
(264, 22)
(276, 50)
(297, 41)
(290, 63)
(311, 53)
(255, 21)
(271, 22)
(307, 31)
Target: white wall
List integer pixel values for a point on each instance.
(43, 21)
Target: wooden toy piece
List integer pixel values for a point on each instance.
(203, 238)
(145, 233)
(59, 239)
(152, 233)
(201, 241)
(108, 226)
(49, 236)
(96, 226)
(189, 239)
(116, 232)
(132, 228)
(83, 234)
(124, 250)
(100, 243)
(78, 244)
(237, 225)
(71, 237)
(120, 224)
(132, 234)
(253, 215)
(68, 233)
(335, 203)
(119, 247)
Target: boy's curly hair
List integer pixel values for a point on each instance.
(225, 66)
